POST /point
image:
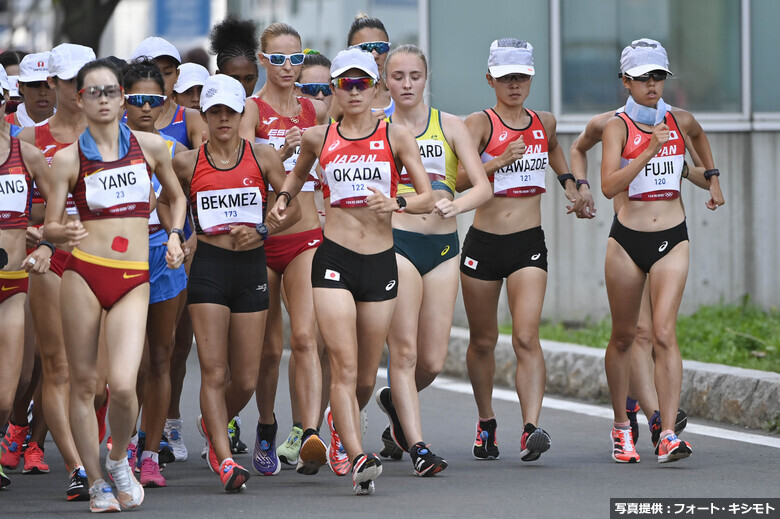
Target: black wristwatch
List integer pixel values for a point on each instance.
(401, 201)
(262, 230)
(563, 178)
(711, 173)
(582, 182)
(179, 233)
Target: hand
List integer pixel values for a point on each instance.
(588, 210)
(292, 139)
(379, 113)
(38, 261)
(659, 138)
(715, 194)
(277, 214)
(573, 196)
(189, 247)
(379, 203)
(33, 237)
(174, 256)
(244, 237)
(445, 208)
(75, 232)
(513, 152)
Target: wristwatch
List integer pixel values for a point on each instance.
(179, 233)
(401, 201)
(262, 230)
(582, 182)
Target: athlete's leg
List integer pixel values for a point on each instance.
(624, 282)
(667, 283)
(273, 344)
(11, 350)
(480, 299)
(244, 353)
(525, 290)
(181, 351)
(640, 382)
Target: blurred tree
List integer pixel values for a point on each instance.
(83, 21)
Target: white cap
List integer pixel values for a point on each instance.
(4, 83)
(34, 67)
(511, 56)
(354, 58)
(643, 56)
(221, 89)
(68, 58)
(154, 47)
(190, 74)
(13, 83)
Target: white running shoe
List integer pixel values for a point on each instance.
(129, 490)
(173, 429)
(101, 498)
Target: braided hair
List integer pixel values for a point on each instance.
(232, 38)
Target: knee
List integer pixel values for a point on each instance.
(123, 396)
(643, 337)
(621, 340)
(429, 369)
(55, 371)
(403, 355)
(303, 345)
(665, 337)
(483, 344)
(271, 356)
(525, 341)
(214, 376)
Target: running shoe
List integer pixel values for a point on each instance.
(165, 453)
(365, 470)
(129, 492)
(101, 498)
(211, 456)
(13, 442)
(632, 408)
(655, 425)
(671, 448)
(173, 427)
(385, 401)
(288, 451)
(425, 462)
(264, 459)
(100, 414)
(233, 476)
(313, 455)
(234, 431)
(33, 460)
(623, 446)
(389, 448)
(533, 442)
(150, 474)
(486, 444)
(338, 461)
(78, 489)
(132, 454)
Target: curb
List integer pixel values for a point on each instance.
(737, 396)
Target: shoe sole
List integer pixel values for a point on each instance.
(435, 469)
(102, 510)
(390, 450)
(130, 505)
(535, 446)
(287, 461)
(237, 479)
(396, 430)
(369, 473)
(78, 497)
(35, 470)
(682, 452)
(153, 484)
(313, 455)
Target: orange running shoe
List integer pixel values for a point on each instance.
(12, 445)
(623, 446)
(671, 448)
(338, 461)
(233, 476)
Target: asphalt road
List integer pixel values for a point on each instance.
(576, 478)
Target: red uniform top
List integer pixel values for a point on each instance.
(45, 142)
(660, 178)
(15, 190)
(220, 198)
(351, 166)
(273, 128)
(525, 176)
(117, 189)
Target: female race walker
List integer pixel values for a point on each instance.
(507, 241)
(276, 116)
(354, 272)
(227, 293)
(108, 171)
(642, 163)
(427, 250)
(21, 162)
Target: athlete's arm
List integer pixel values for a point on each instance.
(273, 170)
(578, 155)
(615, 179)
(408, 153)
(250, 120)
(558, 162)
(27, 135)
(462, 144)
(37, 167)
(695, 147)
(321, 109)
(196, 127)
(62, 176)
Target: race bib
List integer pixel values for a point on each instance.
(433, 159)
(276, 140)
(154, 219)
(219, 209)
(658, 180)
(349, 182)
(524, 177)
(117, 190)
(13, 193)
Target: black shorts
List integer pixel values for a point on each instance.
(645, 248)
(493, 257)
(369, 277)
(236, 279)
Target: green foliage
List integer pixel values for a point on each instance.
(740, 334)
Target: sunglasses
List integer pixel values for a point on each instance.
(312, 89)
(139, 100)
(348, 83)
(520, 78)
(36, 84)
(94, 92)
(279, 59)
(370, 46)
(656, 75)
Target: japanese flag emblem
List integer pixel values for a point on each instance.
(470, 263)
(332, 275)
(377, 145)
